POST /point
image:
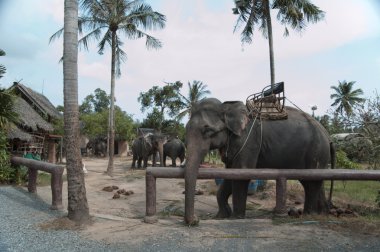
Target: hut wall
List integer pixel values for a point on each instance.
(123, 148)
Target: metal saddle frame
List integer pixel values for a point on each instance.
(270, 102)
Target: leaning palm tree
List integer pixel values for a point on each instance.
(107, 20)
(256, 14)
(197, 92)
(78, 210)
(2, 68)
(345, 98)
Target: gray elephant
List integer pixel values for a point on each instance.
(174, 149)
(244, 142)
(97, 147)
(145, 146)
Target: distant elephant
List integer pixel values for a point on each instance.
(174, 149)
(145, 146)
(97, 147)
(298, 142)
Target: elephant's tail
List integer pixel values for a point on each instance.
(333, 161)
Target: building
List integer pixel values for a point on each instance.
(34, 130)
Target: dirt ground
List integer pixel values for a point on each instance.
(121, 219)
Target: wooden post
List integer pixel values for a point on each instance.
(150, 214)
(56, 190)
(32, 180)
(280, 209)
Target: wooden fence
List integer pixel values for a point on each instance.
(56, 172)
(280, 175)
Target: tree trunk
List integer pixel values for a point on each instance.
(112, 109)
(78, 210)
(270, 40)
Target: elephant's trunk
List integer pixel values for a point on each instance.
(194, 158)
(161, 152)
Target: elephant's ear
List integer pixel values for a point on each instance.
(235, 116)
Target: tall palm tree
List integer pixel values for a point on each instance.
(197, 92)
(78, 210)
(345, 97)
(107, 20)
(256, 14)
(2, 68)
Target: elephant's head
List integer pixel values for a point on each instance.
(208, 128)
(157, 141)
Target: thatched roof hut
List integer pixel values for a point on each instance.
(36, 113)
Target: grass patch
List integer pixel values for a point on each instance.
(356, 192)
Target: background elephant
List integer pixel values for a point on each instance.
(298, 142)
(145, 146)
(97, 147)
(174, 149)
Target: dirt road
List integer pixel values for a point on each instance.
(120, 220)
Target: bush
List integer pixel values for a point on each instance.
(342, 161)
(9, 174)
(6, 171)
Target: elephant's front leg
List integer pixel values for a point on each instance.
(224, 192)
(239, 198)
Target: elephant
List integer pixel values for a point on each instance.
(245, 141)
(145, 146)
(97, 146)
(174, 148)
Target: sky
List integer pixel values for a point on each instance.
(199, 44)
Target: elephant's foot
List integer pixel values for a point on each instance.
(238, 215)
(192, 221)
(224, 212)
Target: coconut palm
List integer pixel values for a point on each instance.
(255, 14)
(197, 92)
(2, 68)
(106, 21)
(78, 210)
(345, 98)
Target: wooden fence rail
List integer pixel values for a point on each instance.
(280, 175)
(56, 172)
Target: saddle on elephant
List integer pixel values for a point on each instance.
(269, 103)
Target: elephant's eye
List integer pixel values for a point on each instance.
(207, 131)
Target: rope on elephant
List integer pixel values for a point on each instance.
(246, 140)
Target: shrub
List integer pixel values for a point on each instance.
(342, 161)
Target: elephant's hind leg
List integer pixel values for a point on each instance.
(224, 192)
(315, 200)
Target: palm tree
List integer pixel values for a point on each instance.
(197, 92)
(107, 20)
(2, 68)
(78, 210)
(256, 14)
(345, 97)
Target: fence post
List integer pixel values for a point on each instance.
(56, 190)
(32, 180)
(280, 209)
(150, 184)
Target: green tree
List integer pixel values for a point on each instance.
(96, 102)
(125, 127)
(164, 99)
(2, 68)
(78, 210)
(7, 115)
(345, 98)
(197, 92)
(107, 21)
(256, 14)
